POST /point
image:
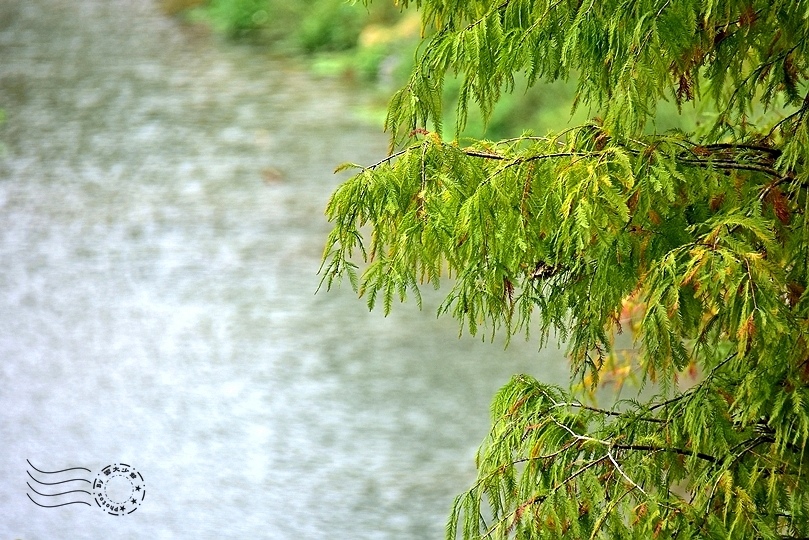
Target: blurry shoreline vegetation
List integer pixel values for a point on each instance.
(372, 46)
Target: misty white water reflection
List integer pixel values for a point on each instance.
(161, 198)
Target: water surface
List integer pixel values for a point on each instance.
(161, 226)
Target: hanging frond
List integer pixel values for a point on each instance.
(705, 231)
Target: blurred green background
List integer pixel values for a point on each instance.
(374, 46)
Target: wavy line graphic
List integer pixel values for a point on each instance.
(56, 472)
(57, 483)
(56, 494)
(74, 496)
(56, 505)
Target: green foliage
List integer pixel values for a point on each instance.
(331, 25)
(704, 230)
(238, 18)
(321, 25)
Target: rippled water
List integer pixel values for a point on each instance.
(161, 226)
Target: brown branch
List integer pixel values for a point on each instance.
(614, 413)
(726, 162)
(775, 152)
(720, 164)
(678, 451)
(475, 153)
(731, 165)
(390, 157)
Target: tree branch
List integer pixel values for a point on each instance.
(679, 451)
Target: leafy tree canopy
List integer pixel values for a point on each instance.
(705, 231)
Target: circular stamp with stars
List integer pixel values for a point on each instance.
(119, 489)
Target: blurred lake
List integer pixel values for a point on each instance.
(161, 226)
